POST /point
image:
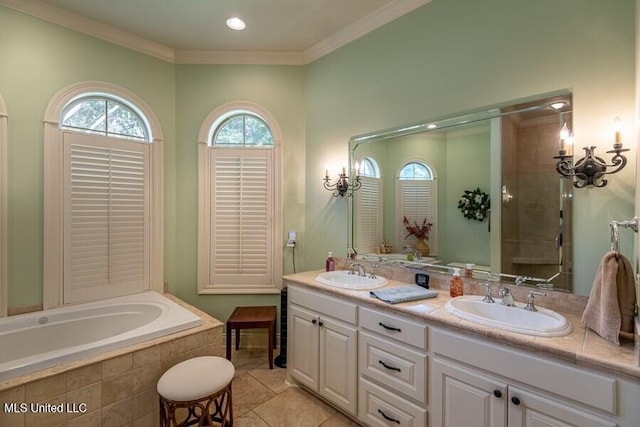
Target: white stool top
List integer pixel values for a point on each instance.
(195, 378)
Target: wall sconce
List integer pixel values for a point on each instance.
(590, 169)
(341, 186)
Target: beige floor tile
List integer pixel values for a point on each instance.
(294, 408)
(250, 419)
(248, 393)
(246, 359)
(274, 378)
(339, 420)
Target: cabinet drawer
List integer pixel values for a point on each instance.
(333, 307)
(398, 328)
(378, 407)
(395, 366)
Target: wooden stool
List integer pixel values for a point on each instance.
(253, 318)
(202, 388)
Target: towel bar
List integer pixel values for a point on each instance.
(632, 224)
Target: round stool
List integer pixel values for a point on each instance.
(197, 392)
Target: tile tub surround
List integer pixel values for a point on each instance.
(581, 347)
(118, 387)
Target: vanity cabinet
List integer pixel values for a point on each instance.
(322, 354)
(392, 361)
(478, 384)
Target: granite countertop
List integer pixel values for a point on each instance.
(581, 347)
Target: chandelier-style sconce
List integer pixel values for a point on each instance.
(341, 186)
(590, 169)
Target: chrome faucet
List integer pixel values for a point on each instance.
(487, 294)
(360, 267)
(507, 297)
(530, 297)
(417, 255)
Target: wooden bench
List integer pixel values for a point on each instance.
(253, 318)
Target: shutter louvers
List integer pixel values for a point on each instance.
(241, 218)
(369, 213)
(416, 202)
(106, 217)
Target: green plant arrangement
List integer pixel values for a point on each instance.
(474, 204)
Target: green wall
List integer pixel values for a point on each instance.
(434, 62)
(38, 59)
(456, 55)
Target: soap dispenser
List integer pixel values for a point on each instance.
(456, 286)
(330, 264)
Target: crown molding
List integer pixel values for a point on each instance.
(371, 22)
(91, 27)
(239, 57)
(131, 41)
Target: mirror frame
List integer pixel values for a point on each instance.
(465, 118)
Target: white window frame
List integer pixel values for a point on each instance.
(53, 185)
(4, 229)
(400, 229)
(204, 200)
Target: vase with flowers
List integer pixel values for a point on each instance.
(420, 232)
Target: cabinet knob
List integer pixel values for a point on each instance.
(515, 400)
(497, 393)
(321, 323)
(314, 321)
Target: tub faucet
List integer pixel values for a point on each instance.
(507, 297)
(360, 267)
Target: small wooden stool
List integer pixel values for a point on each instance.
(253, 318)
(202, 388)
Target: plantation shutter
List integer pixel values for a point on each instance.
(416, 199)
(106, 217)
(241, 218)
(369, 214)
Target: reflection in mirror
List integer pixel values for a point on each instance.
(427, 189)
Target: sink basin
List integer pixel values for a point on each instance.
(342, 279)
(542, 323)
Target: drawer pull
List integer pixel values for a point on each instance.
(389, 328)
(388, 418)
(392, 368)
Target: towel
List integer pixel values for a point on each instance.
(611, 305)
(403, 294)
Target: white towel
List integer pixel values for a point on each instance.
(611, 305)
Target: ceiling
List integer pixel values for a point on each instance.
(194, 31)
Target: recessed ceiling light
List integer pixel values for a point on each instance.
(558, 105)
(236, 23)
(432, 126)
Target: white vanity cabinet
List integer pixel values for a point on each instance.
(479, 384)
(322, 354)
(392, 359)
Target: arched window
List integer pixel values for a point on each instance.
(368, 205)
(416, 199)
(103, 193)
(239, 179)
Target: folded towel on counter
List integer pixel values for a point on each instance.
(611, 305)
(403, 294)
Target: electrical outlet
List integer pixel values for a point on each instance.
(291, 241)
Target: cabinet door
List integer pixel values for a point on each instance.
(532, 410)
(463, 397)
(303, 346)
(338, 376)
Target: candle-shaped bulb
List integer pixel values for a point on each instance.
(564, 135)
(357, 168)
(617, 129)
(343, 171)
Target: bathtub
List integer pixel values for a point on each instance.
(39, 340)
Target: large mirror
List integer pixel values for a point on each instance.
(480, 187)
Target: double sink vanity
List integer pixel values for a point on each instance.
(446, 362)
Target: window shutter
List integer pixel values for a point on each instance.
(417, 201)
(106, 202)
(369, 214)
(241, 217)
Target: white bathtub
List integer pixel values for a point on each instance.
(43, 339)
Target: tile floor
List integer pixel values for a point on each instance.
(262, 398)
